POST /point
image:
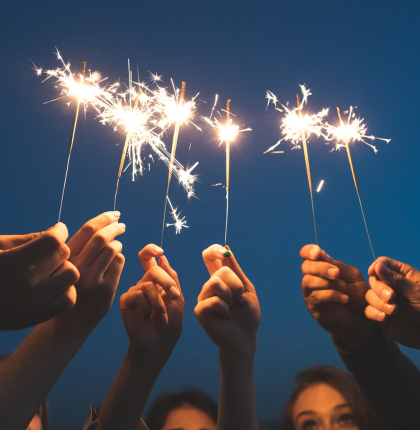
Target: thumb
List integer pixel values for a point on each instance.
(394, 280)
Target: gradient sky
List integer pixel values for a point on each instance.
(349, 53)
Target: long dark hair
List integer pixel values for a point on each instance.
(43, 409)
(340, 381)
(166, 403)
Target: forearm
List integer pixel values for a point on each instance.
(127, 397)
(237, 400)
(28, 375)
(388, 379)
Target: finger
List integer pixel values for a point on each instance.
(155, 301)
(63, 301)
(318, 298)
(50, 264)
(212, 306)
(232, 263)
(227, 276)
(213, 257)
(310, 252)
(41, 247)
(63, 278)
(158, 276)
(310, 283)
(379, 304)
(375, 315)
(320, 269)
(148, 255)
(394, 280)
(382, 290)
(97, 243)
(105, 258)
(11, 241)
(113, 273)
(135, 299)
(216, 287)
(164, 264)
(82, 237)
(394, 265)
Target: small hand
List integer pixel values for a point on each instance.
(98, 257)
(394, 300)
(153, 310)
(324, 283)
(36, 280)
(228, 307)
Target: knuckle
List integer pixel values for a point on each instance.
(99, 240)
(154, 271)
(89, 229)
(224, 271)
(52, 241)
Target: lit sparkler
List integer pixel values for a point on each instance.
(179, 222)
(297, 127)
(227, 133)
(354, 130)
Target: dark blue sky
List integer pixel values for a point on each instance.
(360, 53)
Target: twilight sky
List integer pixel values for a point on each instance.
(359, 53)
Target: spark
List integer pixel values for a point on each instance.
(179, 222)
(155, 78)
(352, 131)
(320, 186)
(295, 125)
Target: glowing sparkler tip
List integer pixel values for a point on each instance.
(320, 186)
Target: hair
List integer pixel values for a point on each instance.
(340, 381)
(166, 403)
(43, 409)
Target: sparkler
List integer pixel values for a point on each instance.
(320, 186)
(297, 128)
(354, 130)
(179, 222)
(76, 114)
(226, 133)
(178, 113)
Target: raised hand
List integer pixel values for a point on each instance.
(228, 307)
(36, 280)
(153, 309)
(99, 260)
(334, 294)
(394, 300)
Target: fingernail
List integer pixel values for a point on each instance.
(341, 286)
(313, 252)
(328, 257)
(122, 226)
(381, 315)
(344, 298)
(389, 308)
(386, 294)
(241, 299)
(174, 292)
(158, 250)
(224, 252)
(117, 214)
(332, 271)
(164, 318)
(229, 314)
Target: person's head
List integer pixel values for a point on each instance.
(188, 410)
(40, 420)
(329, 399)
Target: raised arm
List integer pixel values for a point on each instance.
(30, 372)
(229, 312)
(152, 312)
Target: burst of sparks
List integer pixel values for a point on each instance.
(179, 222)
(295, 122)
(352, 131)
(226, 132)
(146, 122)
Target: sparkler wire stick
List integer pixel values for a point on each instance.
(355, 182)
(227, 167)
(127, 140)
(76, 114)
(174, 144)
(308, 170)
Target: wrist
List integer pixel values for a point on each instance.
(359, 341)
(141, 360)
(244, 354)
